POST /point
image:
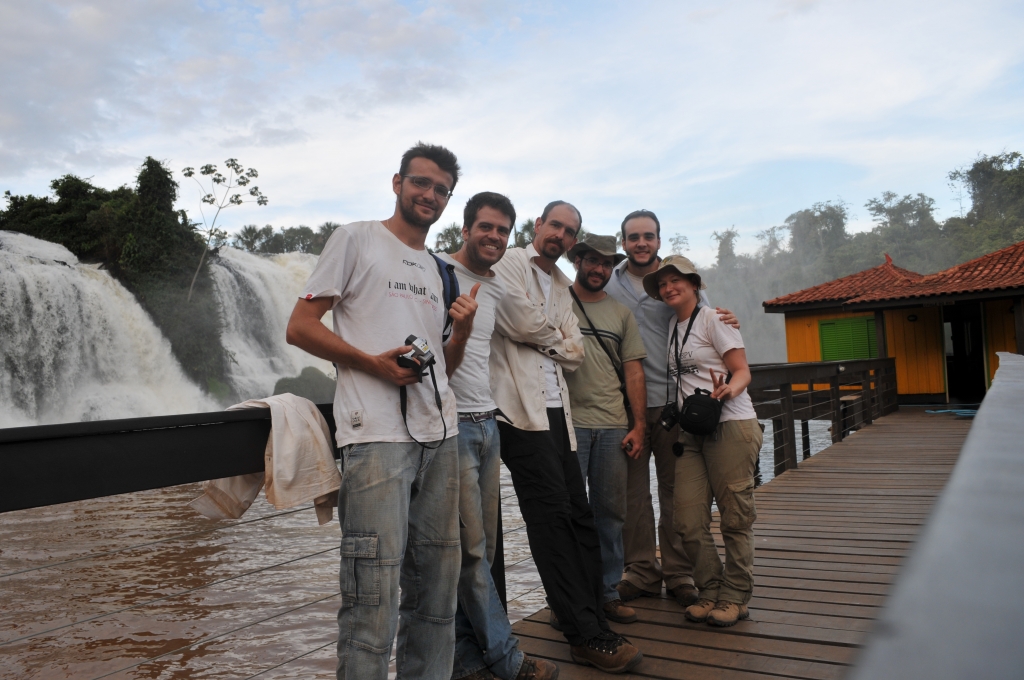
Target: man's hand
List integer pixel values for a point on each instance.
(728, 317)
(633, 442)
(385, 366)
(462, 312)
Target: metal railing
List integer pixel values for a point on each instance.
(850, 394)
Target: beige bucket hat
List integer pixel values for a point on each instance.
(602, 245)
(677, 262)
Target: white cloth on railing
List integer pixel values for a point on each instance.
(299, 463)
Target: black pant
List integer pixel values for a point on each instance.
(559, 523)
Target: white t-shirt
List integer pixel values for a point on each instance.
(383, 291)
(636, 281)
(709, 340)
(551, 388)
(471, 381)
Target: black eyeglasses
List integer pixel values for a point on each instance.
(440, 190)
(594, 262)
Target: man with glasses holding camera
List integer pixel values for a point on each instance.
(537, 442)
(397, 423)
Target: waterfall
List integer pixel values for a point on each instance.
(256, 294)
(76, 345)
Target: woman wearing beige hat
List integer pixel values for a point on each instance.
(705, 354)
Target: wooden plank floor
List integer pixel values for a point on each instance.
(830, 538)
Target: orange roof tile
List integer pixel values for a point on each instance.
(880, 278)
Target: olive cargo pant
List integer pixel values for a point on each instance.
(719, 467)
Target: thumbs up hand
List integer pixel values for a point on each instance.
(462, 312)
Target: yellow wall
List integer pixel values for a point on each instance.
(918, 348)
(916, 345)
(1000, 335)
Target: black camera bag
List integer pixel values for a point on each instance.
(700, 413)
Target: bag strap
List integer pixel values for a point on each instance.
(593, 329)
(676, 349)
(450, 284)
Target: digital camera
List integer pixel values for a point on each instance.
(669, 417)
(419, 356)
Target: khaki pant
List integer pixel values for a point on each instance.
(719, 466)
(638, 539)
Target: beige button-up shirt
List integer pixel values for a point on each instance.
(524, 334)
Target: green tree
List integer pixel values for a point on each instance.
(323, 232)
(220, 196)
(449, 239)
(996, 218)
(678, 244)
(524, 235)
(248, 238)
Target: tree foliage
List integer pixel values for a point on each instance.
(301, 239)
(449, 239)
(149, 247)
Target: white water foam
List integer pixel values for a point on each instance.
(257, 294)
(76, 345)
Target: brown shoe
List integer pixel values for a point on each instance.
(628, 591)
(727, 613)
(699, 612)
(684, 594)
(537, 669)
(618, 612)
(608, 652)
(553, 622)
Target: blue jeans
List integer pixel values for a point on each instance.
(604, 467)
(483, 636)
(398, 508)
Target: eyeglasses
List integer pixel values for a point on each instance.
(593, 262)
(440, 190)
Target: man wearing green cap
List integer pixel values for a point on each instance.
(610, 380)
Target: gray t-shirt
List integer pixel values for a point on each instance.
(471, 381)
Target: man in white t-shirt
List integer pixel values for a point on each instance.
(484, 645)
(397, 425)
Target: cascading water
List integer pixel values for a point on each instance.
(76, 345)
(256, 294)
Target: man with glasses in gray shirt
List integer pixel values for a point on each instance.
(641, 239)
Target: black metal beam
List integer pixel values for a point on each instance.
(52, 464)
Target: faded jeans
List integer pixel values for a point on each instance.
(483, 636)
(398, 508)
(604, 466)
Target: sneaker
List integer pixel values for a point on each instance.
(618, 612)
(608, 652)
(684, 594)
(727, 613)
(537, 669)
(699, 611)
(628, 591)
(553, 622)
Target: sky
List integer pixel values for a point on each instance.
(714, 115)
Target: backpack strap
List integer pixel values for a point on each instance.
(451, 292)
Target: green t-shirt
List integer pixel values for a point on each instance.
(594, 387)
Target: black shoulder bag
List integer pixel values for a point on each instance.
(700, 412)
(611, 357)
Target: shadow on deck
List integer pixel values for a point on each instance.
(830, 537)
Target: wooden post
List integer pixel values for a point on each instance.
(779, 440)
(805, 431)
(880, 341)
(837, 409)
(865, 397)
(1018, 323)
(786, 389)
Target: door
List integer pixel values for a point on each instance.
(965, 352)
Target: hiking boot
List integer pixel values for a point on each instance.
(727, 613)
(553, 622)
(618, 612)
(699, 611)
(684, 594)
(628, 591)
(608, 652)
(537, 669)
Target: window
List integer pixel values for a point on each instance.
(852, 338)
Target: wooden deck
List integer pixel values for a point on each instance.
(830, 539)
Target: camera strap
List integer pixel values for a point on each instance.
(403, 395)
(597, 336)
(676, 348)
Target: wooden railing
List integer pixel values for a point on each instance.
(850, 394)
